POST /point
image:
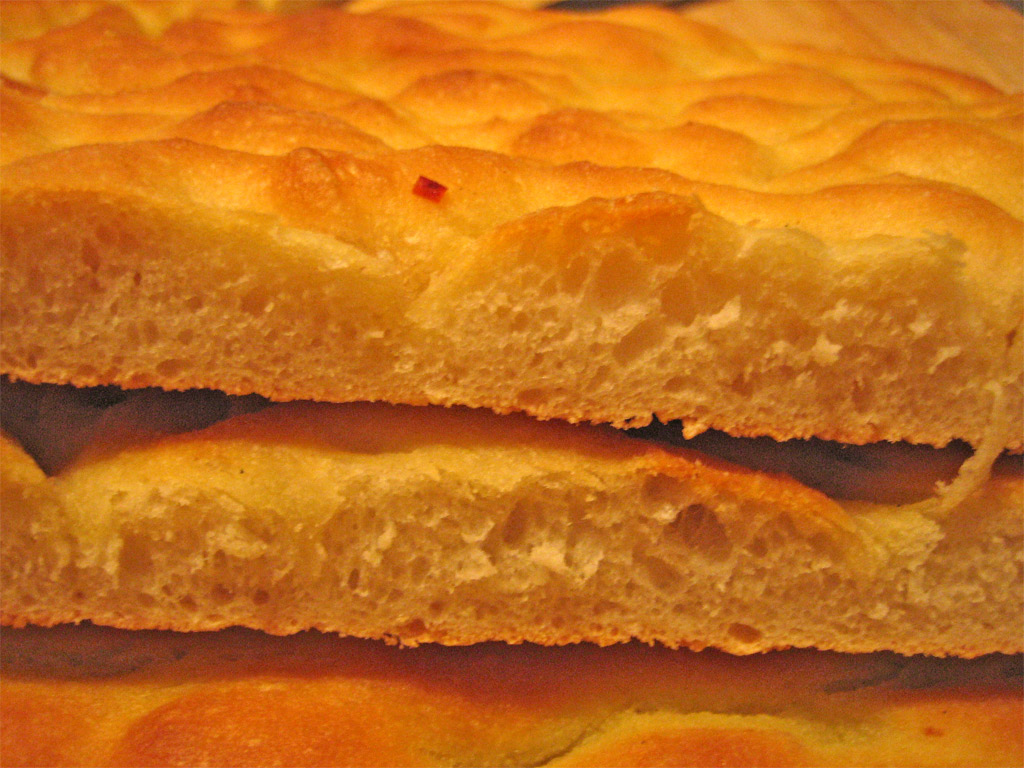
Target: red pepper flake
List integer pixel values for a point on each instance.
(428, 188)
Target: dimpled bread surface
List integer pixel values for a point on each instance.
(643, 217)
(241, 698)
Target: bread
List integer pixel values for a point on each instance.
(242, 698)
(623, 217)
(643, 217)
(419, 524)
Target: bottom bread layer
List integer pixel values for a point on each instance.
(88, 696)
(458, 526)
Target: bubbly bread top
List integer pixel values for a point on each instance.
(638, 215)
(88, 696)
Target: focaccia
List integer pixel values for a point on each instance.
(242, 698)
(422, 524)
(454, 233)
(642, 217)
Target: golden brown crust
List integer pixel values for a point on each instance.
(88, 696)
(299, 137)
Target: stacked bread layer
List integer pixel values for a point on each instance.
(420, 524)
(649, 218)
(635, 217)
(237, 697)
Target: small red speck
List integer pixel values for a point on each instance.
(930, 730)
(428, 188)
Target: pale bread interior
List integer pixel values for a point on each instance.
(451, 525)
(644, 217)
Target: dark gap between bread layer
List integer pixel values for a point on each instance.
(53, 423)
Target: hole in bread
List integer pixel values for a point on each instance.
(419, 568)
(353, 579)
(701, 529)
(87, 371)
(677, 300)
(824, 545)
(744, 633)
(221, 594)
(617, 277)
(601, 375)
(530, 398)
(519, 323)
(574, 274)
(414, 627)
(169, 368)
(514, 529)
(255, 303)
(643, 337)
(676, 384)
(660, 574)
(134, 558)
(661, 489)
(149, 332)
(741, 385)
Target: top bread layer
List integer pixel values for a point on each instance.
(640, 216)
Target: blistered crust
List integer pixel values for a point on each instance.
(86, 696)
(226, 201)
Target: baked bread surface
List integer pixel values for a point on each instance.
(87, 696)
(644, 217)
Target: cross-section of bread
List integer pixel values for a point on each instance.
(84, 696)
(642, 216)
(612, 217)
(421, 524)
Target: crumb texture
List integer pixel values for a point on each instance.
(422, 524)
(644, 216)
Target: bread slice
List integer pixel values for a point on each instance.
(606, 218)
(643, 217)
(84, 696)
(421, 524)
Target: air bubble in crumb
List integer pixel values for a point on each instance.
(744, 633)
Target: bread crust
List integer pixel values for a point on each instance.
(90, 696)
(801, 244)
(198, 196)
(421, 524)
